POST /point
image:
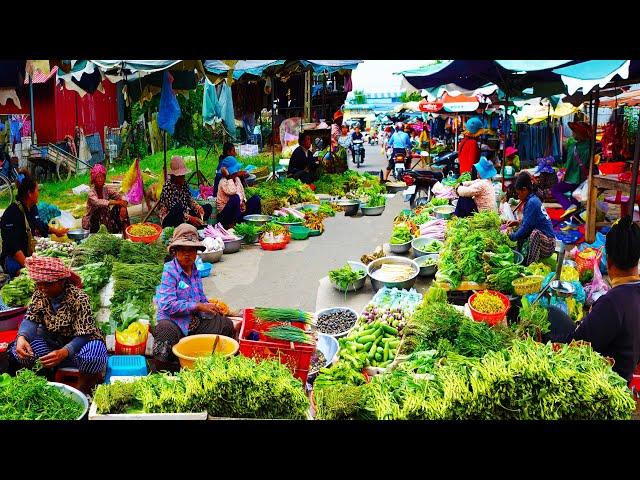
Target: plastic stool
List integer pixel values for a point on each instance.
(126, 366)
(68, 376)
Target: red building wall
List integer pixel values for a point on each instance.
(56, 110)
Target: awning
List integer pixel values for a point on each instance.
(39, 77)
(586, 75)
(241, 67)
(461, 103)
(629, 99)
(331, 65)
(133, 66)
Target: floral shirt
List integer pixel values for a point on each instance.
(95, 202)
(178, 295)
(227, 188)
(172, 195)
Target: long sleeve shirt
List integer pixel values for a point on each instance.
(301, 159)
(14, 230)
(178, 295)
(227, 188)
(468, 154)
(173, 194)
(613, 328)
(95, 202)
(535, 217)
(482, 192)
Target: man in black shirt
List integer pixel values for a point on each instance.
(357, 135)
(302, 164)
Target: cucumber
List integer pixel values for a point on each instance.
(385, 354)
(390, 330)
(366, 339)
(379, 332)
(379, 349)
(378, 357)
(372, 352)
(367, 346)
(359, 346)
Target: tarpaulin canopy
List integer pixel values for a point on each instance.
(537, 111)
(241, 67)
(587, 75)
(330, 66)
(258, 68)
(133, 66)
(454, 90)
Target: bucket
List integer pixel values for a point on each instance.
(190, 348)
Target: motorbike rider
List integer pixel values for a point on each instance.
(401, 144)
(356, 135)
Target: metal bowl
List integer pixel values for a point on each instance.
(372, 211)
(358, 284)
(258, 219)
(211, 257)
(251, 180)
(232, 246)
(78, 234)
(400, 247)
(418, 243)
(74, 394)
(427, 271)
(333, 309)
(350, 207)
(444, 211)
(396, 188)
(405, 284)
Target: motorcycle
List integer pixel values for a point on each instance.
(358, 152)
(449, 163)
(399, 165)
(423, 182)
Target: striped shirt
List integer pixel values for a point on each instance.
(178, 295)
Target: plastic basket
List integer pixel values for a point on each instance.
(138, 349)
(584, 262)
(296, 356)
(527, 285)
(148, 238)
(273, 246)
(126, 366)
(490, 318)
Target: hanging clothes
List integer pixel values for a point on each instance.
(225, 105)
(15, 127)
(209, 103)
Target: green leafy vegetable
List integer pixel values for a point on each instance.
(400, 234)
(345, 277)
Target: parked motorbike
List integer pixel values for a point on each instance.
(399, 165)
(423, 182)
(449, 163)
(358, 152)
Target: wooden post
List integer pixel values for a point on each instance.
(307, 96)
(590, 229)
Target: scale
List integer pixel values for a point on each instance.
(556, 290)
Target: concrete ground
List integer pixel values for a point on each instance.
(297, 276)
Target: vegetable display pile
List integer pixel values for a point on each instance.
(137, 252)
(338, 321)
(134, 285)
(142, 230)
(219, 232)
(288, 218)
(97, 247)
(401, 233)
(433, 246)
(427, 262)
(376, 200)
(314, 221)
(235, 387)
(326, 210)
(18, 292)
(28, 396)
(167, 235)
(391, 272)
(273, 232)
(248, 231)
(486, 302)
(274, 195)
(288, 333)
(349, 181)
(50, 248)
(94, 277)
(475, 249)
(345, 277)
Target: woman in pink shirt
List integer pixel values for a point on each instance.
(231, 201)
(105, 206)
(479, 192)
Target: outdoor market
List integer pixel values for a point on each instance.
(260, 239)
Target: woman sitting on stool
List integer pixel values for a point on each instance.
(231, 202)
(105, 206)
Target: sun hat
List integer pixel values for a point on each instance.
(185, 235)
(337, 115)
(582, 129)
(474, 126)
(510, 151)
(177, 167)
(485, 168)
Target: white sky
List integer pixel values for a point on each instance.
(377, 75)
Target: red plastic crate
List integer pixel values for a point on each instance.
(7, 336)
(298, 358)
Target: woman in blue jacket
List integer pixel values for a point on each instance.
(535, 236)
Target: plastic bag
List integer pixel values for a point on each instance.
(582, 192)
(80, 189)
(506, 213)
(135, 187)
(66, 220)
(596, 288)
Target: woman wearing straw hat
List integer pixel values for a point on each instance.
(183, 308)
(468, 150)
(59, 327)
(576, 166)
(105, 206)
(477, 195)
(176, 204)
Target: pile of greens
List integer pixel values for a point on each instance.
(94, 277)
(28, 396)
(18, 292)
(97, 247)
(401, 233)
(326, 210)
(137, 252)
(235, 387)
(274, 195)
(376, 200)
(345, 277)
(248, 231)
(134, 284)
(470, 250)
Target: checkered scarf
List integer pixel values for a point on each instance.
(50, 269)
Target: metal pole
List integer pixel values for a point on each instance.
(504, 144)
(634, 175)
(32, 110)
(273, 133)
(164, 149)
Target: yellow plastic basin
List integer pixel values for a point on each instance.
(192, 347)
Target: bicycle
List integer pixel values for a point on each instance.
(7, 183)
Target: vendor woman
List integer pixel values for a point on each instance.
(229, 161)
(176, 205)
(231, 201)
(535, 236)
(478, 195)
(20, 224)
(58, 327)
(613, 324)
(183, 308)
(105, 206)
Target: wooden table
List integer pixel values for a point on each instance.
(600, 183)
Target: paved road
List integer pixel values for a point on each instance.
(291, 277)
